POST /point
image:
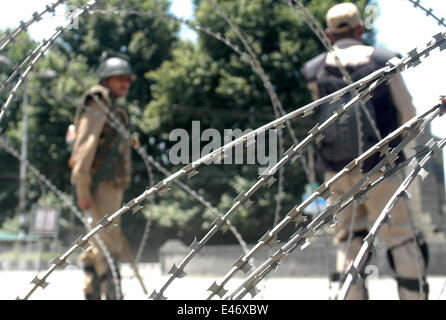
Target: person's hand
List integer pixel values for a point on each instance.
(84, 203)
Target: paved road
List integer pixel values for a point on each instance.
(67, 285)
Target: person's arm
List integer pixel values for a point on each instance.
(88, 133)
(402, 100)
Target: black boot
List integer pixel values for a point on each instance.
(95, 285)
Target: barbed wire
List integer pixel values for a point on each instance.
(411, 62)
(149, 189)
(67, 201)
(149, 160)
(41, 49)
(199, 198)
(384, 217)
(17, 69)
(295, 215)
(134, 263)
(395, 66)
(429, 12)
(250, 59)
(301, 237)
(245, 197)
(277, 107)
(118, 125)
(317, 29)
(10, 36)
(115, 123)
(305, 111)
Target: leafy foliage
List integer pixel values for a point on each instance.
(179, 81)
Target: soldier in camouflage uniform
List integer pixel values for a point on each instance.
(390, 107)
(101, 169)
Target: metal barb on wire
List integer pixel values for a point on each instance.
(11, 36)
(45, 45)
(429, 12)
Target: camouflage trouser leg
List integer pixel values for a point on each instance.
(93, 272)
(398, 238)
(98, 275)
(106, 200)
(92, 284)
(107, 282)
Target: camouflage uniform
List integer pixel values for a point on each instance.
(101, 169)
(399, 238)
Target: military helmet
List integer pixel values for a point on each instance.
(116, 65)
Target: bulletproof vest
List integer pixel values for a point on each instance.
(341, 143)
(112, 160)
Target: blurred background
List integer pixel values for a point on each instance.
(184, 75)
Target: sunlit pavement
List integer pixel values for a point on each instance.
(67, 285)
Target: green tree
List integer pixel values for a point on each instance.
(208, 75)
(178, 82)
(75, 57)
(11, 127)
